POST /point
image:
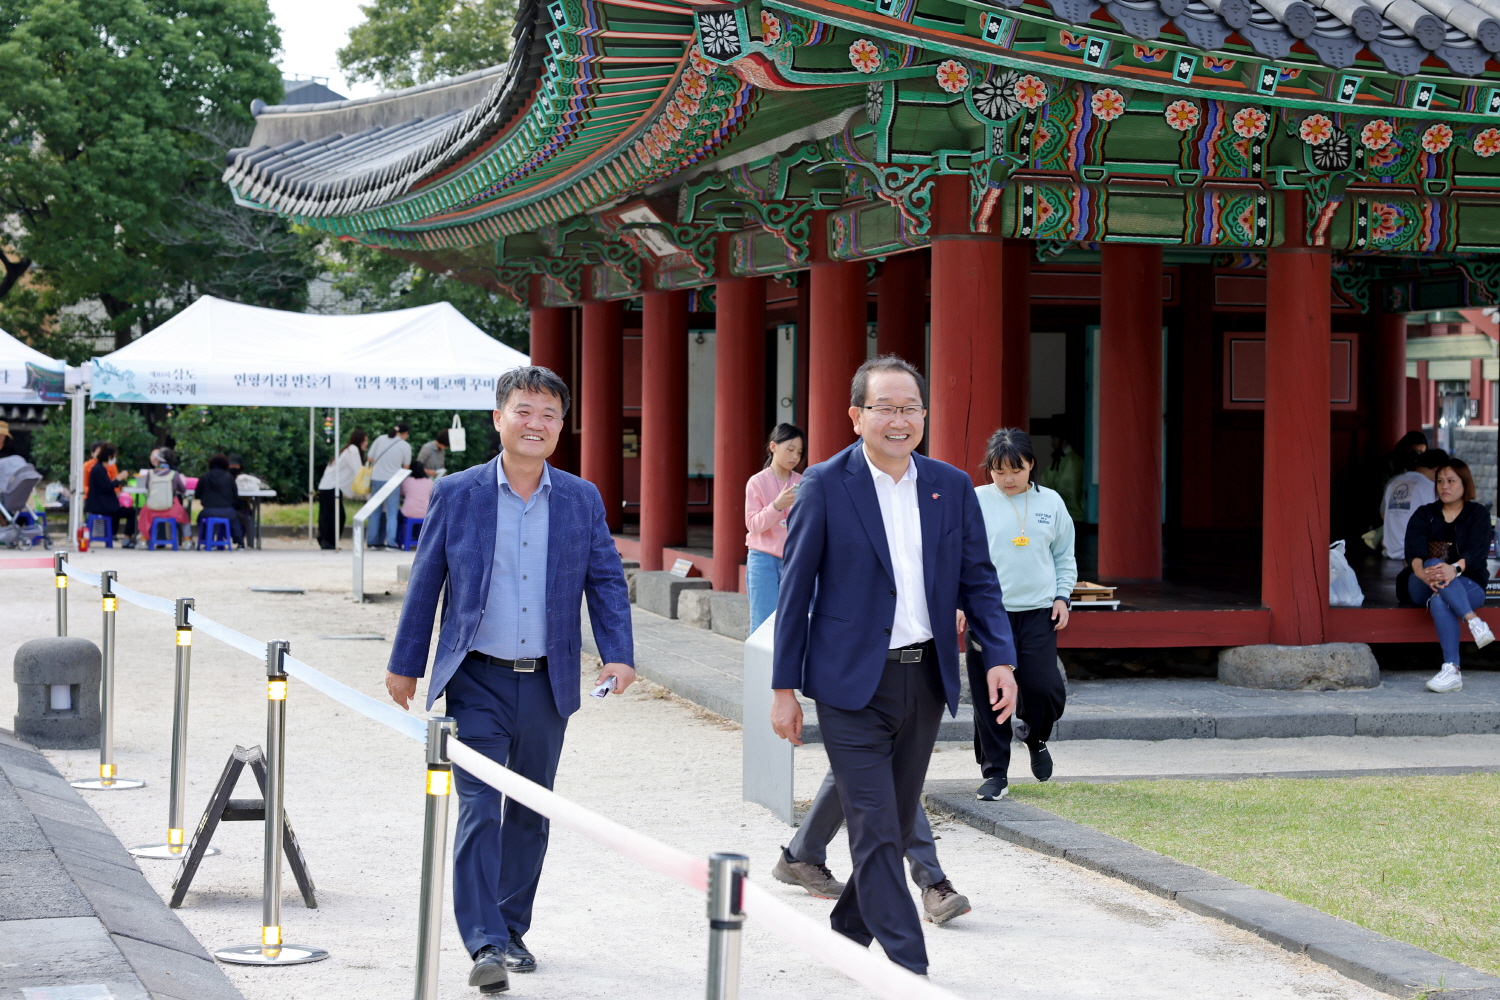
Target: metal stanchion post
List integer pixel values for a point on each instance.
(271, 951)
(107, 780)
(726, 917)
(174, 848)
(61, 574)
(434, 856)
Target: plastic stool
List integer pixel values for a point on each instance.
(101, 529)
(210, 536)
(158, 539)
(411, 531)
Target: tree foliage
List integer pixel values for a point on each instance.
(114, 118)
(405, 42)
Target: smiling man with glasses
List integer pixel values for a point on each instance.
(883, 547)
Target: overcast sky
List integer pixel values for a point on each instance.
(311, 32)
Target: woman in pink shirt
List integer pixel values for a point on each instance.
(416, 492)
(768, 500)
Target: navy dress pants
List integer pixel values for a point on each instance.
(879, 755)
(824, 819)
(499, 845)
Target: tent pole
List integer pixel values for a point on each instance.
(311, 410)
(75, 468)
(338, 493)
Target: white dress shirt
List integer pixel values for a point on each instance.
(903, 536)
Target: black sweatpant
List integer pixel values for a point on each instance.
(1042, 695)
(330, 512)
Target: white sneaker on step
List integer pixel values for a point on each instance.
(1447, 680)
(1481, 632)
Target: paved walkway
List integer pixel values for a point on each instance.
(708, 669)
(75, 911)
(1042, 929)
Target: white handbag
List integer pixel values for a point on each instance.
(456, 439)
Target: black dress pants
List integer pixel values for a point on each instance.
(1041, 693)
(879, 755)
(330, 518)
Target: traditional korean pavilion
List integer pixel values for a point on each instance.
(1183, 234)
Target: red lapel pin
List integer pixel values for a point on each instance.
(935, 496)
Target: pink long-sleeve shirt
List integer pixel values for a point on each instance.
(765, 524)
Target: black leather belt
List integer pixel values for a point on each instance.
(910, 654)
(519, 666)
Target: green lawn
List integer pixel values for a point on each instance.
(295, 514)
(1417, 859)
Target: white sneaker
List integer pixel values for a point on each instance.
(1481, 632)
(1448, 679)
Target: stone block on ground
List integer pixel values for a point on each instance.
(42, 664)
(695, 608)
(658, 591)
(1331, 666)
(731, 614)
(403, 573)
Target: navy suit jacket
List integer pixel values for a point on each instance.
(454, 562)
(838, 599)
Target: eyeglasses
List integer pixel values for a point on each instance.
(890, 411)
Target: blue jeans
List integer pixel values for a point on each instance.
(1448, 607)
(763, 576)
(382, 527)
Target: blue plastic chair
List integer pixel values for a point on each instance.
(411, 531)
(214, 533)
(101, 529)
(158, 538)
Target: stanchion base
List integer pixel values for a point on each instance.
(166, 852)
(254, 954)
(108, 784)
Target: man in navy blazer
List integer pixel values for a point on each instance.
(512, 547)
(884, 546)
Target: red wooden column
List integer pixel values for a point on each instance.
(1294, 547)
(739, 415)
(664, 391)
(1130, 413)
(981, 333)
(836, 349)
(552, 347)
(602, 403)
(1390, 381)
(901, 307)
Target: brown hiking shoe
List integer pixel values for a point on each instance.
(943, 902)
(816, 879)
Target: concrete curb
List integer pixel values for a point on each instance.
(1375, 960)
(80, 886)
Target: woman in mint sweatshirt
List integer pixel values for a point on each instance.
(1031, 545)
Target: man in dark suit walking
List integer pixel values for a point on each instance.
(884, 547)
(517, 544)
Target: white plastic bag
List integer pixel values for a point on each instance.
(456, 438)
(1343, 587)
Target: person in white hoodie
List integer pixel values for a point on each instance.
(1031, 545)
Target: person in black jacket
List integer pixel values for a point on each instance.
(102, 499)
(217, 495)
(1447, 544)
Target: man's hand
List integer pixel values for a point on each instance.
(402, 689)
(1002, 684)
(786, 714)
(623, 673)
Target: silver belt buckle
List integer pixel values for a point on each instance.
(911, 655)
(524, 666)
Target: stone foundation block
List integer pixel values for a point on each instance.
(71, 664)
(695, 608)
(1332, 666)
(731, 614)
(658, 591)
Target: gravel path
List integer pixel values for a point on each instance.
(1041, 928)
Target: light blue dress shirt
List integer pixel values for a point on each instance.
(514, 623)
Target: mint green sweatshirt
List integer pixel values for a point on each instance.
(1036, 574)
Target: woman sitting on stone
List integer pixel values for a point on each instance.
(1447, 543)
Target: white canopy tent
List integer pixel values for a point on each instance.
(27, 376)
(223, 353)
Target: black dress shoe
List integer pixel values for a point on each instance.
(489, 970)
(1041, 761)
(517, 957)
